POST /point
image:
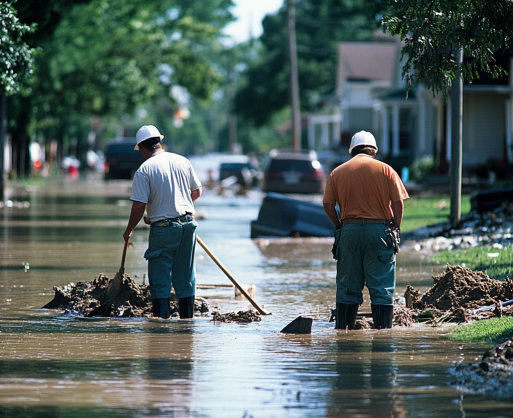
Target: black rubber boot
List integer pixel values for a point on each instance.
(345, 317)
(382, 316)
(160, 308)
(186, 307)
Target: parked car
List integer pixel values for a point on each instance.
(121, 160)
(245, 172)
(294, 172)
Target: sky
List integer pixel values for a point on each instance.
(249, 14)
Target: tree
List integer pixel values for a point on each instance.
(15, 66)
(446, 42)
(433, 31)
(43, 16)
(320, 26)
(106, 58)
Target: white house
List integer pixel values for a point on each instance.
(371, 95)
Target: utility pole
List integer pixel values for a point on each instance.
(232, 117)
(294, 84)
(456, 141)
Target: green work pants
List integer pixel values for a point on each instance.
(365, 258)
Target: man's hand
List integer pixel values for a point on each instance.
(127, 235)
(136, 215)
(332, 214)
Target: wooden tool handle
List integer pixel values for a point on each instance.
(122, 268)
(228, 274)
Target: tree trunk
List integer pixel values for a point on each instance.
(20, 142)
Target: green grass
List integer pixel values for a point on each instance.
(424, 211)
(495, 330)
(495, 262)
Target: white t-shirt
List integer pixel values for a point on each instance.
(165, 182)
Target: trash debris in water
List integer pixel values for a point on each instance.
(492, 375)
(89, 299)
(241, 316)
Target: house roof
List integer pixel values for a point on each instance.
(369, 61)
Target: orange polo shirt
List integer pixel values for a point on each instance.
(364, 187)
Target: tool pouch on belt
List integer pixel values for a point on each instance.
(335, 250)
(393, 237)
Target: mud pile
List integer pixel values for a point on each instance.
(89, 299)
(241, 316)
(459, 287)
(491, 375)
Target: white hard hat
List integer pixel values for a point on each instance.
(147, 132)
(362, 138)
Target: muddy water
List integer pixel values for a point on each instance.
(56, 365)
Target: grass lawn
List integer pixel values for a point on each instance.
(495, 262)
(424, 211)
(495, 330)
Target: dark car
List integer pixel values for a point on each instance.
(121, 160)
(294, 172)
(246, 174)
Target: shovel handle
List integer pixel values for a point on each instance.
(228, 274)
(123, 257)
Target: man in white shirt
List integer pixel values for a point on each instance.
(165, 186)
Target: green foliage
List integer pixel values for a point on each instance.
(15, 55)
(421, 167)
(320, 26)
(429, 210)
(495, 330)
(432, 31)
(106, 57)
(495, 262)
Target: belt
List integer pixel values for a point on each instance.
(364, 221)
(169, 221)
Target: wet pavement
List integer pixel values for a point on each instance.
(63, 365)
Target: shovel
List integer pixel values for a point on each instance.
(490, 307)
(115, 284)
(234, 281)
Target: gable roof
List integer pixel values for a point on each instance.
(369, 61)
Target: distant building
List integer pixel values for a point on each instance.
(371, 95)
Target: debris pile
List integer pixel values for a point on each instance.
(460, 287)
(403, 317)
(89, 299)
(491, 375)
(475, 229)
(241, 316)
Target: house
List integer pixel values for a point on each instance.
(372, 96)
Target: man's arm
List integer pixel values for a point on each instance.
(397, 212)
(136, 214)
(331, 211)
(195, 194)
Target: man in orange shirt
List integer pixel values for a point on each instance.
(369, 195)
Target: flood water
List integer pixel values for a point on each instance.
(57, 365)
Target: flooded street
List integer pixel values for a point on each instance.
(57, 365)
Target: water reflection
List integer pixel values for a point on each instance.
(56, 365)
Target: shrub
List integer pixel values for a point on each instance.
(421, 167)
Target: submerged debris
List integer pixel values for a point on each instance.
(475, 229)
(88, 299)
(241, 316)
(403, 317)
(491, 375)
